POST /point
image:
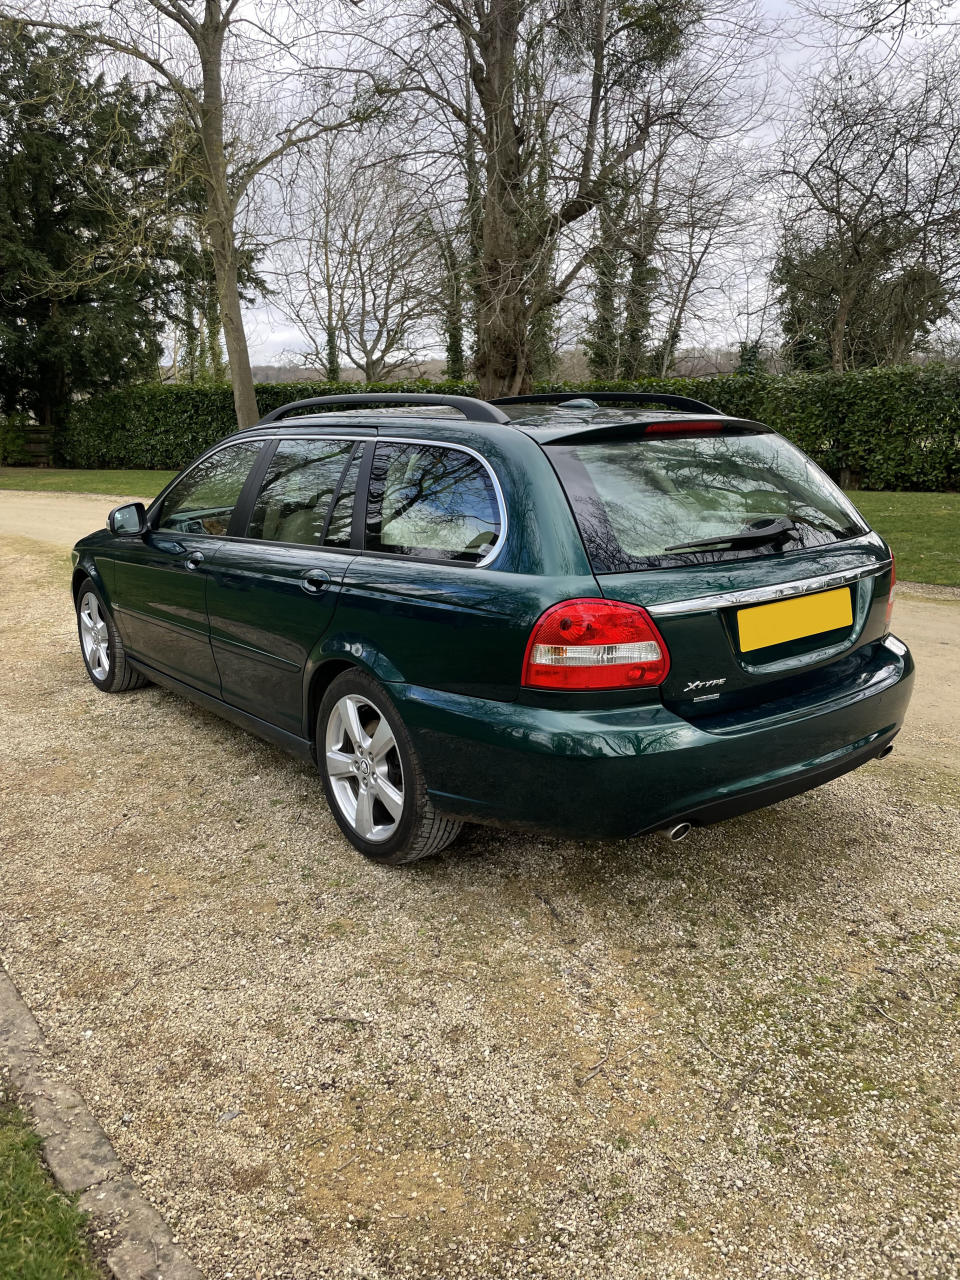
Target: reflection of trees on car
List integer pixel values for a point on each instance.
(633, 500)
(442, 498)
(297, 490)
(208, 493)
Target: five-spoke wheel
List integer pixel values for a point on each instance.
(364, 767)
(101, 645)
(94, 637)
(372, 775)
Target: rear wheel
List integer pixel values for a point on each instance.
(103, 653)
(372, 776)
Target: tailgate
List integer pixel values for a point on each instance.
(764, 637)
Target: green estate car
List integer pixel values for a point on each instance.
(598, 617)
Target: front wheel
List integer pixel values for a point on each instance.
(103, 653)
(372, 776)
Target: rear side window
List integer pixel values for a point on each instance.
(203, 501)
(431, 501)
(634, 499)
(294, 499)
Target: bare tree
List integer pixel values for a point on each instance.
(894, 23)
(249, 90)
(553, 101)
(361, 272)
(869, 252)
(707, 212)
(667, 246)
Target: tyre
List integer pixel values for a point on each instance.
(103, 653)
(372, 777)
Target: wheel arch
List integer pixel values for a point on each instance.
(320, 681)
(334, 655)
(83, 570)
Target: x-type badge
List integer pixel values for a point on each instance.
(694, 685)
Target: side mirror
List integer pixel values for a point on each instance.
(131, 518)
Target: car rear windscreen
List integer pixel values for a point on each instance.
(639, 501)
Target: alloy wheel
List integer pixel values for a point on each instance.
(363, 765)
(94, 636)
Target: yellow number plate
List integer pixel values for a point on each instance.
(793, 619)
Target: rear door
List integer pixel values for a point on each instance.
(419, 595)
(272, 593)
(745, 622)
(159, 596)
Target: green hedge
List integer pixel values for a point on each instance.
(13, 441)
(875, 429)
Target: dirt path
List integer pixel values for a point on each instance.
(732, 1058)
(59, 519)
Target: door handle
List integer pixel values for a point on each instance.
(314, 581)
(194, 560)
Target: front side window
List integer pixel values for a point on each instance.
(296, 493)
(203, 501)
(431, 501)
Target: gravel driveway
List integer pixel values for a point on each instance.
(736, 1057)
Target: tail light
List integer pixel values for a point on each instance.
(595, 644)
(893, 590)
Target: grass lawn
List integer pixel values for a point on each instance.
(133, 484)
(42, 1236)
(922, 528)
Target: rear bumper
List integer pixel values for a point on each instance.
(621, 772)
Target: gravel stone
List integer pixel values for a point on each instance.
(736, 1057)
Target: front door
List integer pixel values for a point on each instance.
(159, 594)
(272, 594)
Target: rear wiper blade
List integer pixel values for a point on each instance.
(770, 529)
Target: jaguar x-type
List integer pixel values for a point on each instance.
(598, 617)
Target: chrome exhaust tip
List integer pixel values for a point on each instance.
(679, 831)
(882, 755)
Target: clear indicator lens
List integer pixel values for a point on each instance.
(595, 655)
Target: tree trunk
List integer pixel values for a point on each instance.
(453, 313)
(333, 355)
(838, 333)
(603, 333)
(456, 369)
(503, 357)
(214, 332)
(637, 316)
(502, 313)
(221, 214)
(241, 375)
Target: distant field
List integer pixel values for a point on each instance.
(132, 484)
(922, 528)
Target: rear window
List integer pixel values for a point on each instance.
(634, 499)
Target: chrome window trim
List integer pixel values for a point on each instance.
(762, 595)
(439, 444)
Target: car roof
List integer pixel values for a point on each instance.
(546, 424)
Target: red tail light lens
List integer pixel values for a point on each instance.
(595, 644)
(893, 588)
